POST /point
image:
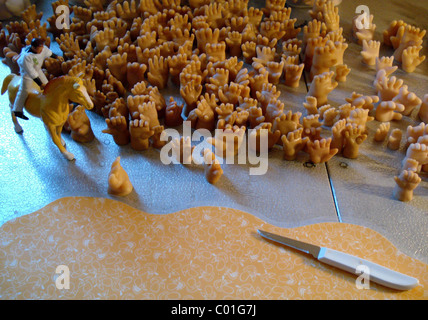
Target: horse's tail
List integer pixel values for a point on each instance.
(6, 82)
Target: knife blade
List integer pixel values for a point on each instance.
(375, 272)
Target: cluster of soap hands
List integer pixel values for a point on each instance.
(415, 162)
(395, 100)
(138, 48)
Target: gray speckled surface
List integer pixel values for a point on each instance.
(33, 173)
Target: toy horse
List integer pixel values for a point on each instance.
(51, 105)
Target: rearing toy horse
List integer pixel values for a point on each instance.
(51, 105)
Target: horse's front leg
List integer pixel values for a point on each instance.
(18, 128)
(57, 140)
(58, 132)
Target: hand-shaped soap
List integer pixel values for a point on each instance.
(423, 110)
(408, 99)
(382, 131)
(118, 180)
(293, 143)
(140, 133)
(406, 182)
(370, 51)
(173, 113)
(319, 150)
(321, 86)
(388, 111)
(411, 59)
(80, 125)
(394, 139)
(353, 136)
(213, 170)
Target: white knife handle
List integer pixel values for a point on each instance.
(376, 273)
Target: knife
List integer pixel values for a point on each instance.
(376, 273)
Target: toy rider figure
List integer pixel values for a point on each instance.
(30, 64)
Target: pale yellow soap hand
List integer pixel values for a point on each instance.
(320, 151)
(388, 111)
(353, 136)
(370, 51)
(411, 59)
(406, 182)
(293, 143)
(140, 133)
(118, 128)
(385, 63)
(118, 180)
(382, 131)
(213, 170)
(408, 99)
(423, 110)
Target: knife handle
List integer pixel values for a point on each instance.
(376, 273)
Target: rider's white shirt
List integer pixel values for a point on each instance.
(30, 63)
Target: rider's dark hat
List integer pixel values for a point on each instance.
(37, 42)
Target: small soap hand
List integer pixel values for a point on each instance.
(310, 105)
(331, 16)
(140, 133)
(385, 63)
(423, 110)
(190, 94)
(394, 139)
(319, 150)
(173, 113)
(182, 150)
(149, 111)
(411, 59)
(255, 116)
(370, 52)
(341, 72)
(388, 88)
(229, 93)
(382, 131)
(406, 182)
(118, 180)
(366, 33)
(157, 141)
(354, 136)
(408, 99)
(337, 140)
(228, 142)
(287, 122)
(293, 73)
(321, 86)
(409, 36)
(213, 170)
(257, 135)
(205, 116)
(80, 125)
(158, 72)
(118, 128)
(386, 111)
(293, 143)
(418, 152)
(414, 132)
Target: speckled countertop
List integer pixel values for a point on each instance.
(33, 173)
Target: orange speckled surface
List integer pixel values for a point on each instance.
(114, 251)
